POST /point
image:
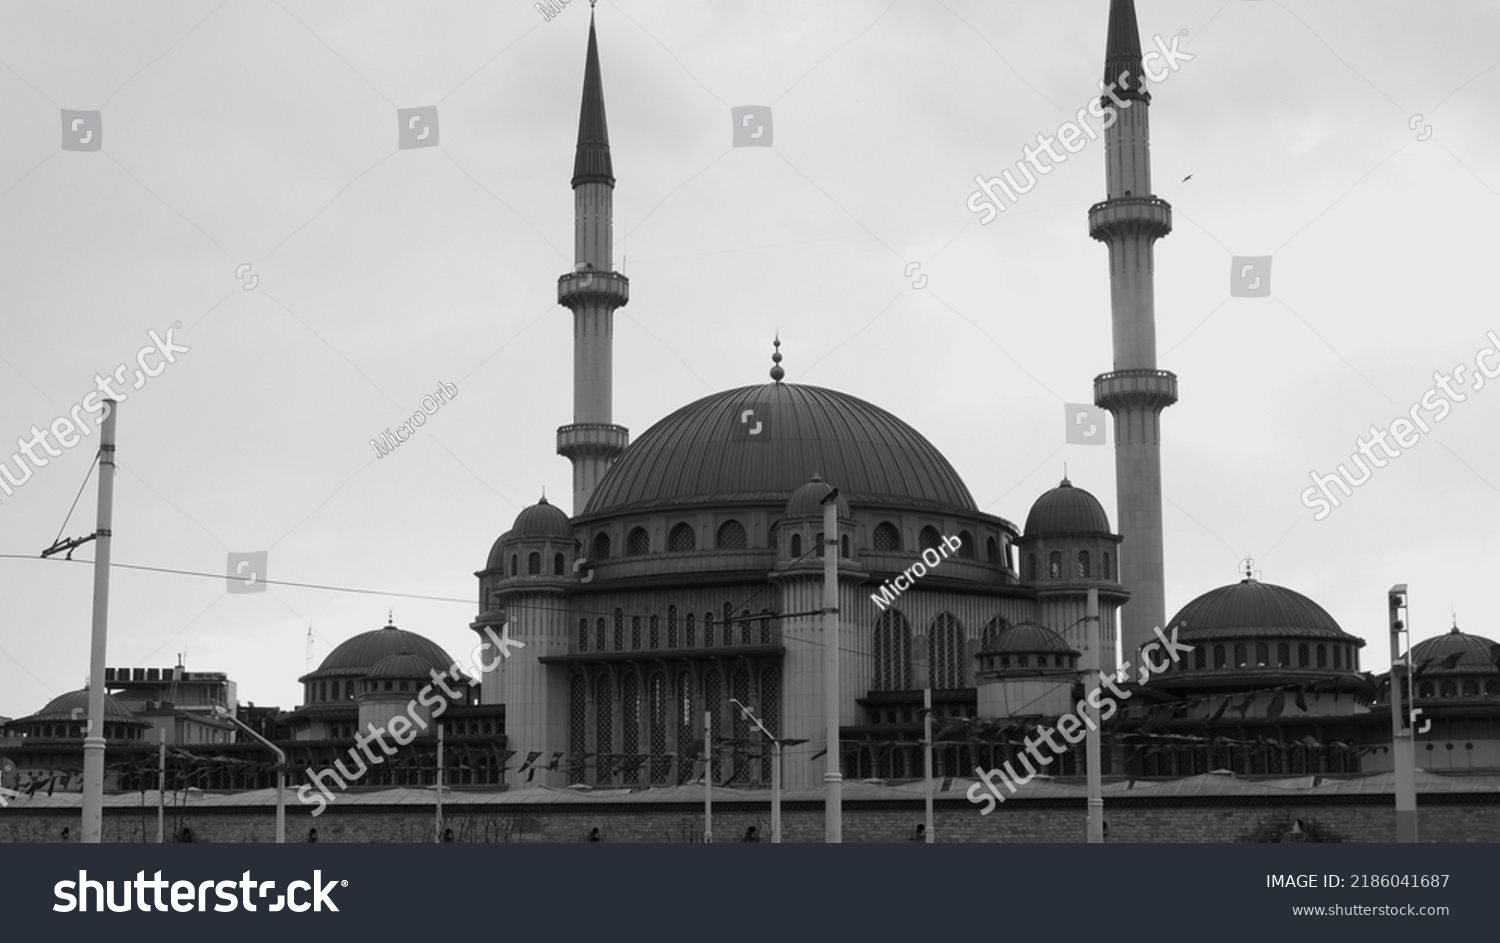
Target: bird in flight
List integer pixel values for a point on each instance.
(1187, 178)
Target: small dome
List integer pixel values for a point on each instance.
(404, 665)
(542, 520)
(497, 555)
(1067, 510)
(357, 656)
(1026, 638)
(1251, 608)
(63, 706)
(807, 499)
(1473, 654)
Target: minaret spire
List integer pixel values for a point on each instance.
(592, 292)
(1129, 222)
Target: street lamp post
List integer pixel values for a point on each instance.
(222, 711)
(775, 770)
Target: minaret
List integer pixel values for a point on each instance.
(1129, 221)
(592, 291)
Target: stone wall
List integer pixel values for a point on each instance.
(1468, 818)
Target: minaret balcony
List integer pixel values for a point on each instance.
(1147, 214)
(589, 287)
(1154, 388)
(592, 438)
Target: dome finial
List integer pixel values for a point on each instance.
(1455, 620)
(776, 372)
(390, 616)
(1249, 574)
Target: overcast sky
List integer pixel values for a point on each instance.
(265, 134)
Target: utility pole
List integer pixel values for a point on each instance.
(708, 776)
(927, 756)
(1091, 745)
(161, 786)
(438, 811)
(1403, 746)
(833, 824)
(775, 771)
(93, 738)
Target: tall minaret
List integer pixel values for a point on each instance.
(592, 291)
(1129, 221)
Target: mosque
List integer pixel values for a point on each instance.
(686, 586)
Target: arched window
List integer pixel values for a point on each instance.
(604, 739)
(601, 546)
(578, 725)
(728, 624)
(514, 565)
(1262, 655)
(583, 635)
(1302, 655)
(534, 564)
(772, 533)
(1471, 688)
(731, 536)
(686, 717)
(600, 637)
(844, 547)
(892, 651)
(638, 544)
(770, 714)
(796, 545)
(887, 538)
(1219, 658)
(630, 725)
(965, 545)
(1322, 656)
(708, 629)
(1241, 656)
(1338, 656)
(765, 630)
(1085, 570)
(1054, 565)
(818, 543)
(671, 626)
(945, 652)
(1200, 660)
(635, 633)
(929, 538)
(1283, 655)
(691, 632)
(619, 630)
(1425, 690)
(991, 632)
(992, 552)
(682, 539)
(1449, 689)
(747, 632)
(656, 694)
(655, 632)
(322, 690)
(559, 565)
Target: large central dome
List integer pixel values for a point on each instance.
(761, 443)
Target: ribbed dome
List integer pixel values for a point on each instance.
(1028, 637)
(808, 499)
(710, 451)
(1066, 510)
(1252, 608)
(1474, 652)
(542, 520)
(359, 655)
(497, 558)
(404, 665)
(62, 707)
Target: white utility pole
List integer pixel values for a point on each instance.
(93, 735)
